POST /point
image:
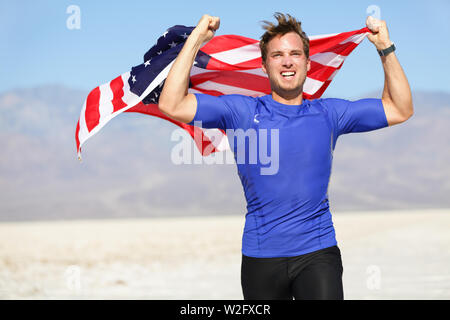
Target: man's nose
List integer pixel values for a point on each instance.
(287, 61)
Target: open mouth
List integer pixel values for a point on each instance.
(288, 74)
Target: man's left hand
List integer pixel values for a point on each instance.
(380, 34)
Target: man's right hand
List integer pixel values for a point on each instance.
(175, 101)
(207, 27)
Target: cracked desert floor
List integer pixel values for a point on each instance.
(386, 255)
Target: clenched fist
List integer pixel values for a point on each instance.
(207, 26)
(380, 34)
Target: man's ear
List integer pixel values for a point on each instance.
(264, 67)
(308, 66)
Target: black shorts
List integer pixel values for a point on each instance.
(311, 276)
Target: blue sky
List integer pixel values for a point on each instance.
(37, 48)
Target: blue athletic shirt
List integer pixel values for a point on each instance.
(288, 212)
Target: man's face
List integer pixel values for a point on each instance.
(286, 64)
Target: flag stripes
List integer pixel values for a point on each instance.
(233, 66)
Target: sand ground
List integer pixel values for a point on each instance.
(386, 255)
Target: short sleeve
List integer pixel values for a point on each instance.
(224, 112)
(356, 116)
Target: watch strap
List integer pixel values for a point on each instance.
(386, 51)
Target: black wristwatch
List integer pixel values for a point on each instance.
(386, 51)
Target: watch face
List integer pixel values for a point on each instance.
(387, 50)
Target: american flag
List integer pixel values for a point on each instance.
(227, 64)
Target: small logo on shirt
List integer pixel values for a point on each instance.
(255, 120)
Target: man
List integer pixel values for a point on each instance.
(289, 248)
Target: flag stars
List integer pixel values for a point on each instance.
(173, 44)
(147, 63)
(165, 33)
(133, 79)
(159, 53)
(185, 36)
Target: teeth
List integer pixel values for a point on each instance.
(287, 74)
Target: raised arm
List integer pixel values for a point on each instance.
(175, 101)
(396, 98)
